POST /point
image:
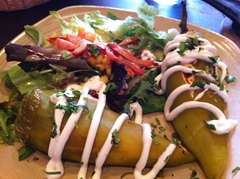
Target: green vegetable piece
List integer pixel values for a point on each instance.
(236, 169)
(35, 33)
(25, 151)
(209, 126)
(112, 16)
(115, 139)
(147, 13)
(130, 133)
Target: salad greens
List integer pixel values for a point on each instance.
(47, 74)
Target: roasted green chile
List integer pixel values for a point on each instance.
(209, 148)
(34, 126)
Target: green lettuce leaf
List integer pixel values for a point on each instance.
(35, 33)
(7, 127)
(148, 13)
(25, 81)
(72, 26)
(143, 92)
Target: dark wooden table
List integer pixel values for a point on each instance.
(199, 13)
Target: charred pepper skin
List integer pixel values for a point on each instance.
(36, 108)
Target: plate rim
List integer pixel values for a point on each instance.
(126, 11)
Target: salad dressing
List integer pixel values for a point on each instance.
(222, 125)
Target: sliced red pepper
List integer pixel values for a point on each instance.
(129, 40)
(134, 67)
(129, 70)
(130, 57)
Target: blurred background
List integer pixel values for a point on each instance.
(14, 14)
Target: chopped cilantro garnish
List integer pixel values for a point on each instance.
(90, 114)
(161, 128)
(167, 158)
(24, 151)
(182, 48)
(210, 126)
(165, 137)
(153, 135)
(214, 59)
(193, 174)
(175, 141)
(236, 169)
(200, 49)
(190, 44)
(158, 121)
(175, 135)
(160, 174)
(52, 173)
(76, 124)
(71, 107)
(35, 159)
(200, 83)
(69, 93)
(54, 131)
(93, 49)
(153, 125)
(115, 139)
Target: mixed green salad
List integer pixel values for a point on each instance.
(95, 45)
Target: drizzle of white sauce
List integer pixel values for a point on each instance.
(147, 141)
(136, 107)
(102, 155)
(57, 143)
(96, 84)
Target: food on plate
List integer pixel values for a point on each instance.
(36, 108)
(196, 99)
(89, 88)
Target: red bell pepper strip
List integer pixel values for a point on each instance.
(130, 57)
(134, 67)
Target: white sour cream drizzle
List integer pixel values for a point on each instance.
(57, 143)
(102, 155)
(147, 142)
(95, 84)
(222, 125)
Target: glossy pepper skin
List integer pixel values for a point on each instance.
(34, 127)
(209, 148)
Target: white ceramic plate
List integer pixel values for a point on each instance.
(11, 168)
